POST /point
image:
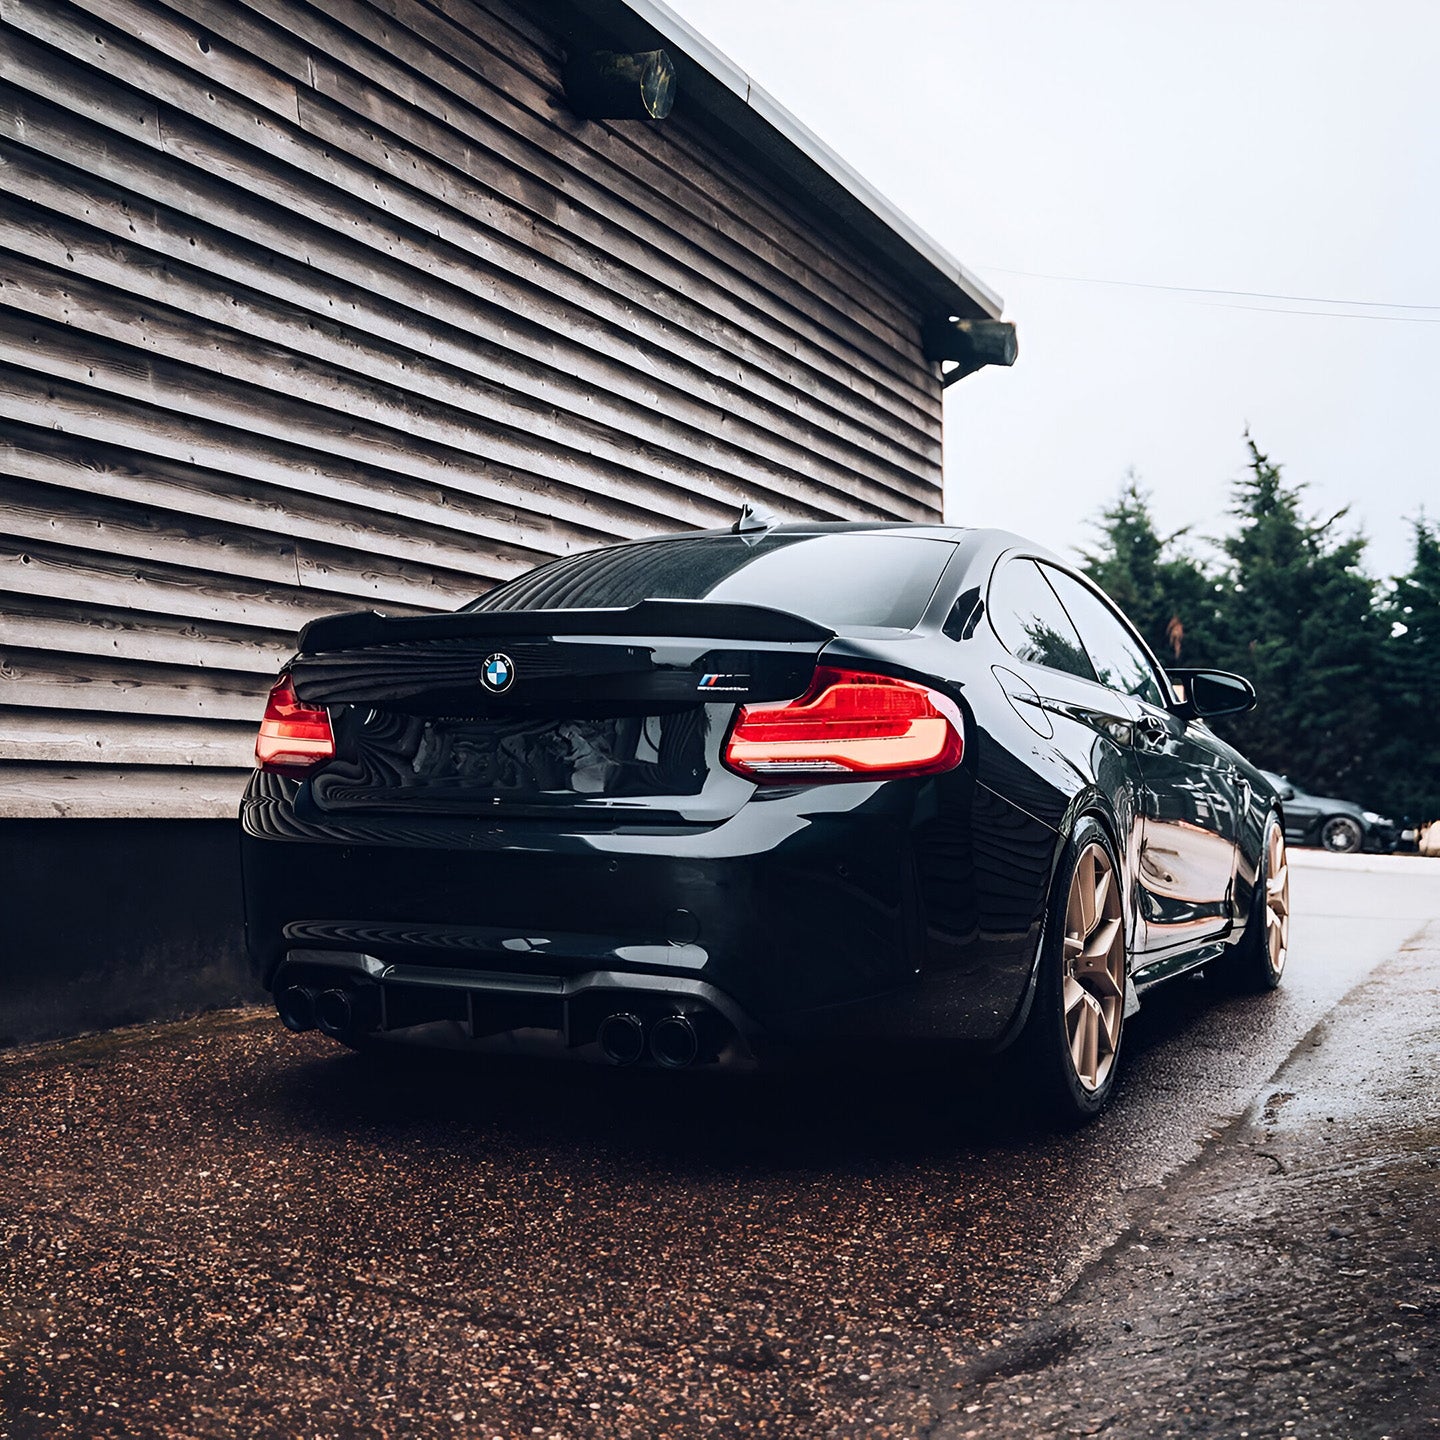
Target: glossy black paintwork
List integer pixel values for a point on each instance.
(906, 909)
(1207, 694)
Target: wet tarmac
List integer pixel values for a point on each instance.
(1288, 1283)
(216, 1228)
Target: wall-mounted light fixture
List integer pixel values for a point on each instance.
(604, 85)
(972, 344)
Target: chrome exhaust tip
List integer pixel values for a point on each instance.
(621, 1038)
(674, 1042)
(296, 1006)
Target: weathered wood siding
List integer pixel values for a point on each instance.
(307, 307)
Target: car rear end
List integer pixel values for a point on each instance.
(668, 828)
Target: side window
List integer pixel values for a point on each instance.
(1119, 660)
(1031, 622)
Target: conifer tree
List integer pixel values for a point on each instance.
(1348, 679)
(1405, 769)
(1168, 595)
(1297, 619)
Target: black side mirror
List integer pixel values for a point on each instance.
(1212, 692)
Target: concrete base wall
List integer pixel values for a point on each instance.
(113, 922)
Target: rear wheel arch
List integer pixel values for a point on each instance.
(1109, 825)
(1087, 809)
(1045, 1060)
(1089, 803)
(1064, 838)
(1104, 815)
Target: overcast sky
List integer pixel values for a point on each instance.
(1281, 147)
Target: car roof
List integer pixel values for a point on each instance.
(829, 527)
(988, 539)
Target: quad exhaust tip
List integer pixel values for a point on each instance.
(296, 1005)
(343, 1013)
(334, 1013)
(621, 1038)
(674, 1042)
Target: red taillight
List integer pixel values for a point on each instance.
(847, 726)
(293, 738)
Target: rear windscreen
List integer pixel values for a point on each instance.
(836, 580)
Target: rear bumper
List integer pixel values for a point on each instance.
(794, 904)
(801, 917)
(488, 1002)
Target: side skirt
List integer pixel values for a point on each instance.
(1169, 966)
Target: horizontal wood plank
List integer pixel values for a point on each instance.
(546, 393)
(114, 582)
(104, 419)
(32, 513)
(66, 627)
(389, 75)
(496, 46)
(66, 738)
(417, 93)
(29, 513)
(106, 792)
(38, 680)
(415, 445)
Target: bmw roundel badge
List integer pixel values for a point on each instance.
(498, 674)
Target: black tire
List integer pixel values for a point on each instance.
(1253, 964)
(1045, 1052)
(1342, 835)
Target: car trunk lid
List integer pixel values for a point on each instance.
(615, 715)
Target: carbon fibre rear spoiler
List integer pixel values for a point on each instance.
(650, 619)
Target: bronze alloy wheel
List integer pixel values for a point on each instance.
(1277, 900)
(1094, 967)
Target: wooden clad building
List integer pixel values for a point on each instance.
(312, 305)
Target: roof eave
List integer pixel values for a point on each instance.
(713, 88)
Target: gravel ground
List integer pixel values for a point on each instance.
(215, 1229)
(211, 1229)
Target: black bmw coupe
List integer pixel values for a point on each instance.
(765, 789)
